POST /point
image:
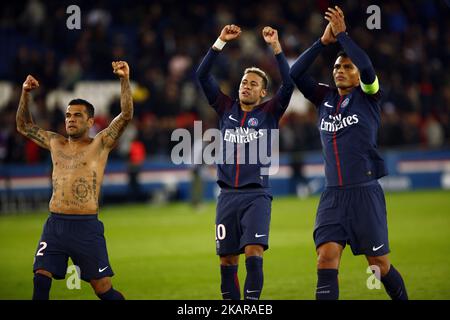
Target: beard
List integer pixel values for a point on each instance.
(75, 134)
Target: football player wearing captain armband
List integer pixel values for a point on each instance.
(352, 208)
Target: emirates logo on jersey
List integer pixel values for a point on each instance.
(242, 135)
(232, 146)
(337, 122)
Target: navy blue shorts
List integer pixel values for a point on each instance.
(355, 215)
(79, 237)
(242, 218)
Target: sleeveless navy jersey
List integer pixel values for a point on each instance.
(348, 128)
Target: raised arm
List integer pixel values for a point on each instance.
(24, 120)
(207, 82)
(284, 93)
(369, 80)
(115, 129)
(305, 83)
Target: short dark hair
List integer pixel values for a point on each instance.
(342, 53)
(89, 107)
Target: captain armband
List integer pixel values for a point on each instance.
(370, 88)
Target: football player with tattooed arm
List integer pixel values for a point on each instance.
(352, 208)
(72, 228)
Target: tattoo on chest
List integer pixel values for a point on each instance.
(70, 162)
(81, 190)
(71, 166)
(78, 156)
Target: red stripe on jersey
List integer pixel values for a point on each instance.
(336, 152)
(236, 180)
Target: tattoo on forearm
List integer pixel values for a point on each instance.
(23, 115)
(26, 125)
(126, 99)
(117, 126)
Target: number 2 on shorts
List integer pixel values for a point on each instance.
(44, 245)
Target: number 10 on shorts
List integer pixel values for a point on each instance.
(220, 232)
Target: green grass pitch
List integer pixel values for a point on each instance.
(168, 252)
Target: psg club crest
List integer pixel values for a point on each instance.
(252, 122)
(345, 102)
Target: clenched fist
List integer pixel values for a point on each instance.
(270, 35)
(30, 84)
(230, 32)
(121, 68)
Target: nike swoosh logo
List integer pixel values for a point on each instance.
(322, 287)
(231, 118)
(251, 291)
(375, 249)
(101, 270)
(260, 235)
(328, 105)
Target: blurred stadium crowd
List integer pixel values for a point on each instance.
(165, 41)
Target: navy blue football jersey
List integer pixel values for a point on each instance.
(348, 128)
(246, 136)
(241, 131)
